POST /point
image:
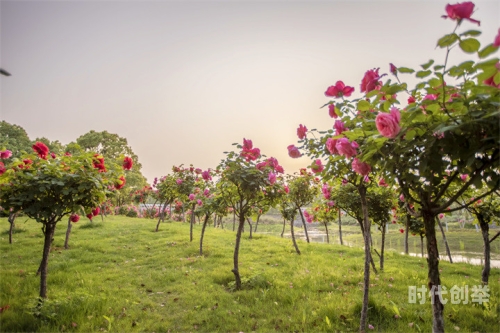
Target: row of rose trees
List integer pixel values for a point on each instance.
(441, 151)
(48, 187)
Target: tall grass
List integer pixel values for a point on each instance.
(121, 276)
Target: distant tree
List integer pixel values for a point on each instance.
(15, 138)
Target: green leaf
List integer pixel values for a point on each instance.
(410, 135)
(496, 79)
(434, 82)
(433, 107)
(422, 74)
(428, 64)
(489, 49)
(470, 45)
(471, 33)
(447, 40)
(438, 67)
(363, 105)
(405, 70)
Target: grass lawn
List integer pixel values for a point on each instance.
(121, 276)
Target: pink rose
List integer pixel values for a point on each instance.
(370, 80)
(272, 178)
(496, 42)
(330, 145)
(382, 183)
(331, 111)
(361, 167)
(393, 69)
(460, 11)
(411, 100)
(4, 154)
(191, 197)
(287, 189)
(206, 175)
(317, 167)
(326, 191)
(463, 177)
(339, 127)
(293, 151)
(388, 123)
(346, 148)
(301, 132)
(339, 90)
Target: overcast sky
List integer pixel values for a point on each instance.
(183, 80)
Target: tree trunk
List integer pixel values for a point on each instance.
(304, 224)
(283, 231)
(433, 271)
(369, 241)
(12, 220)
(422, 246)
(234, 219)
(251, 228)
(235, 270)
(215, 220)
(327, 237)
(257, 223)
(203, 233)
(444, 238)
(49, 229)
(68, 232)
(366, 238)
(407, 229)
(293, 238)
(160, 218)
(221, 223)
(191, 223)
(486, 246)
(340, 228)
(382, 247)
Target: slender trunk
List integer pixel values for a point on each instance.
(160, 218)
(444, 238)
(220, 222)
(257, 223)
(235, 270)
(407, 229)
(366, 238)
(486, 245)
(203, 233)
(191, 222)
(251, 228)
(433, 271)
(293, 238)
(304, 224)
(12, 220)
(340, 228)
(215, 220)
(327, 237)
(283, 231)
(421, 245)
(68, 232)
(234, 219)
(363, 233)
(48, 230)
(382, 247)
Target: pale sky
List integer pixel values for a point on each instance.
(183, 80)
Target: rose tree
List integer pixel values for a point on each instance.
(48, 188)
(449, 127)
(245, 182)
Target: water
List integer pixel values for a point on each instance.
(466, 257)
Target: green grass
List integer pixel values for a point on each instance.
(121, 276)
